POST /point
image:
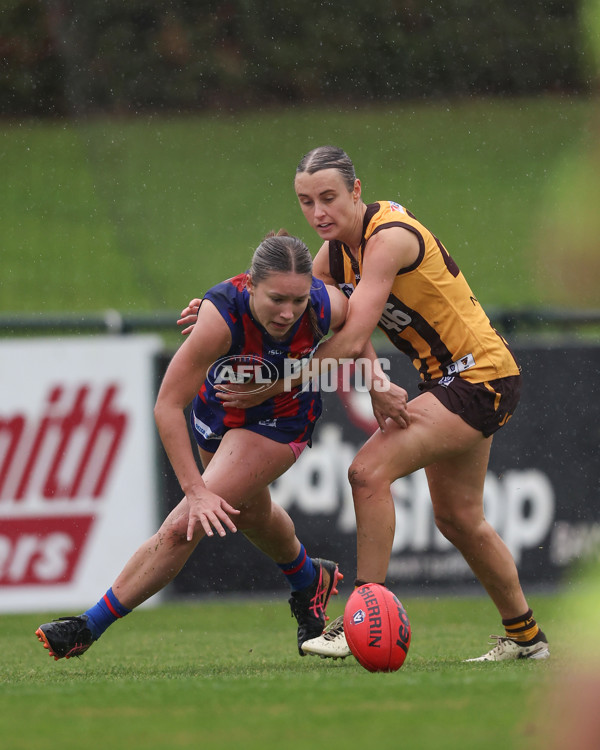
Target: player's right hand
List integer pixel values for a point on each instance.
(211, 512)
(393, 403)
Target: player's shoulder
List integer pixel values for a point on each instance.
(318, 286)
(230, 288)
(383, 213)
(233, 285)
(319, 294)
(394, 238)
(391, 207)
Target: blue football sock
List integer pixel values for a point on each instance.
(301, 572)
(101, 615)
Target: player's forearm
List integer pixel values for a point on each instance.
(379, 380)
(172, 428)
(348, 343)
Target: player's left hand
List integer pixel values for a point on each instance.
(390, 403)
(189, 316)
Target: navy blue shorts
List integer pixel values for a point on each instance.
(208, 430)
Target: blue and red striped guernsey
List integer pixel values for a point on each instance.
(289, 416)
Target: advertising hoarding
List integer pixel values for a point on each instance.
(542, 491)
(77, 456)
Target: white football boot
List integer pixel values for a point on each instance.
(331, 644)
(506, 649)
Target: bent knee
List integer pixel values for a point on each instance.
(457, 525)
(173, 532)
(364, 476)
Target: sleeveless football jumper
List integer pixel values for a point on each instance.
(286, 418)
(434, 318)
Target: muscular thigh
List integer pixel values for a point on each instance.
(456, 484)
(434, 434)
(244, 465)
(240, 472)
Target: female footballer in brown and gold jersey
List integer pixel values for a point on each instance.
(400, 278)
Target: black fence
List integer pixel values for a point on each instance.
(549, 320)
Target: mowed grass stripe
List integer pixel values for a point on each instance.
(227, 674)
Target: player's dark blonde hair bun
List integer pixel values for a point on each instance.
(280, 253)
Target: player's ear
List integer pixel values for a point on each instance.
(356, 192)
(249, 284)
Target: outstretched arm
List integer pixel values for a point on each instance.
(385, 254)
(388, 399)
(209, 339)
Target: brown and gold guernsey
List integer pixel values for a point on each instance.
(431, 314)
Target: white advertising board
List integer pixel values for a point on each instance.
(78, 485)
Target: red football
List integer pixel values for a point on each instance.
(377, 628)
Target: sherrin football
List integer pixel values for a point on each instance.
(377, 628)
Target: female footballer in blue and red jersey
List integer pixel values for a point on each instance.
(287, 418)
(275, 311)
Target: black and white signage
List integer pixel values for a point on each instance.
(541, 492)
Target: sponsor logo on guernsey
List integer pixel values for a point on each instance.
(205, 430)
(462, 364)
(249, 369)
(397, 207)
(346, 289)
(308, 352)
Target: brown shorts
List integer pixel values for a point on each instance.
(485, 406)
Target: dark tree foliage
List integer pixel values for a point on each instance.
(66, 57)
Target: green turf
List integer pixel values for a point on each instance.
(141, 214)
(224, 674)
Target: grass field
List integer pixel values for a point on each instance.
(225, 674)
(141, 214)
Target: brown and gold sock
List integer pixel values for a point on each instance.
(358, 583)
(523, 629)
